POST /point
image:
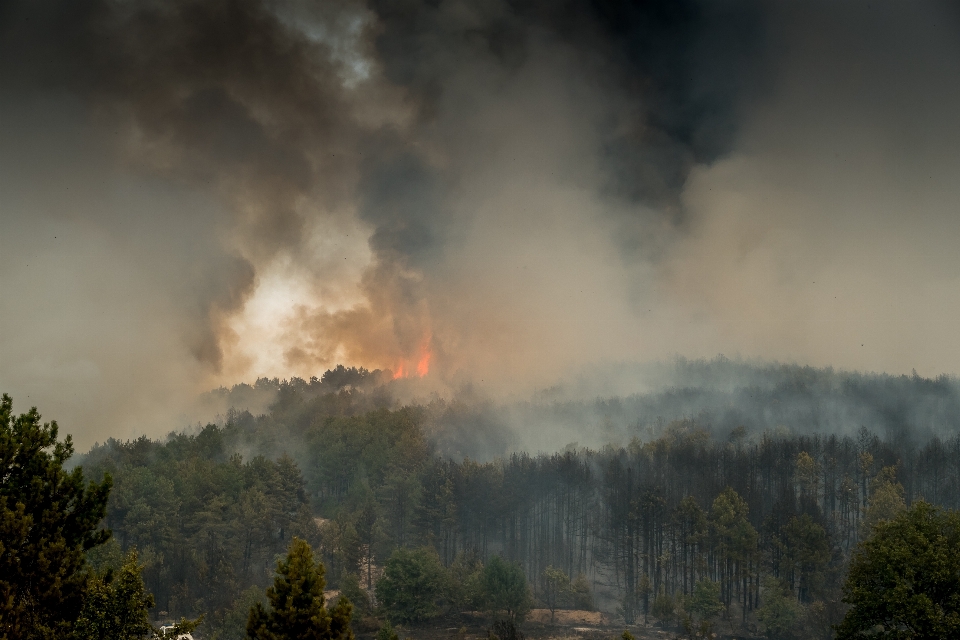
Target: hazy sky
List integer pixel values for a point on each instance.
(200, 192)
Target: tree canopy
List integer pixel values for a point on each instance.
(297, 609)
(904, 581)
(116, 605)
(413, 582)
(48, 519)
(503, 590)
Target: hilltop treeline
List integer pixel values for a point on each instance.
(752, 527)
(602, 406)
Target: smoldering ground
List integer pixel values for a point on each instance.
(239, 188)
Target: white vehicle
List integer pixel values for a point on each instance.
(168, 628)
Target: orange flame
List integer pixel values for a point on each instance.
(423, 367)
(423, 362)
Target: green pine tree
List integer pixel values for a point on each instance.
(48, 519)
(412, 584)
(297, 610)
(904, 580)
(387, 632)
(116, 605)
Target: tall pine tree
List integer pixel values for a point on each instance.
(116, 605)
(48, 519)
(297, 609)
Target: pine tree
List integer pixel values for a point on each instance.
(48, 519)
(904, 580)
(297, 609)
(116, 605)
(412, 584)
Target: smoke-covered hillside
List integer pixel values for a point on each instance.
(719, 395)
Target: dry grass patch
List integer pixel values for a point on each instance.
(567, 617)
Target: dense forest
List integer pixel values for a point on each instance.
(752, 524)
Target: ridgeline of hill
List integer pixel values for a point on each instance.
(720, 395)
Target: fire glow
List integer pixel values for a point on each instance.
(405, 368)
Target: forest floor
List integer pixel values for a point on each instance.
(566, 625)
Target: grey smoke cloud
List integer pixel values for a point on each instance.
(827, 234)
(240, 188)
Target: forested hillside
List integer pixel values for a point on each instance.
(755, 523)
(619, 403)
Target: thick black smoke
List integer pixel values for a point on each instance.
(678, 75)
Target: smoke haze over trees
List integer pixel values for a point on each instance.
(721, 395)
(744, 527)
(198, 193)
